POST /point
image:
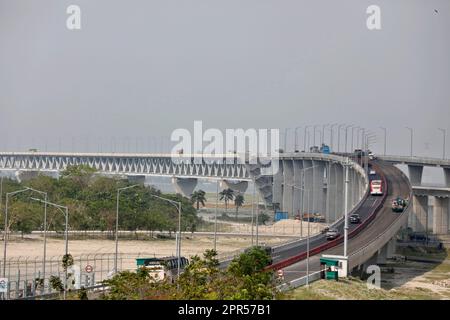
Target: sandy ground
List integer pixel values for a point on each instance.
(32, 246)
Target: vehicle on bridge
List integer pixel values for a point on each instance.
(399, 204)
(162, 268)
(355, 218)
(376, 187)
(325, 149)
(332, 234)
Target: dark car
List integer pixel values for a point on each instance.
(354, 218)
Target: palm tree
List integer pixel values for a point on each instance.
(226, 195)
(198, 197)
(238, 202)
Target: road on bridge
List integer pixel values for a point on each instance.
(397, 186)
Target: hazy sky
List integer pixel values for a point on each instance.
(144, 68)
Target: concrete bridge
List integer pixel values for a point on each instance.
(299, 182)
(431, 208)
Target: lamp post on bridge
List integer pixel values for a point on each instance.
(346, 134)
(384, 144)
(353, 134)
(339, 136)
(285, 138)
(411, 141)
(323, 132)
(331, 135)
(444, 133)
(304, 138)
(295, 139)
(314, 133)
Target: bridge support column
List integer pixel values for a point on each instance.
(418, 221)
(309, 185)
(238, 186)
(288, 182)
(340, 191)
(184, 186)
(318, 177)
(440, 215)
(298, 181)
(415, 174)
(447, 177)
(332, 191)
(277, 187)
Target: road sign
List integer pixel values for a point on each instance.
(4, 285)
(89, 268)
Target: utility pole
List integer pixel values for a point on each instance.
(384, 129)
(346, 208)
(411, 140)
(444, 133)
(215, 215)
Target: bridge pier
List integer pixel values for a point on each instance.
(440, 215)
(308, 204)
(447, 177)
(288, 190)
(318, 176)
(340, 187)
(298, 181)
(277, 187)
(415, 174)
(184, 186)
(419, 214)
(239, 186)
(332, 194)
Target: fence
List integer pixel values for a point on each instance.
(26, 277)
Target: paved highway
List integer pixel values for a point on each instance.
(397, 186)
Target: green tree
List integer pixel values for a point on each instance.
(226, 195)
(238, 202)
(198, 197)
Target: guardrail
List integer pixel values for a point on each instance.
(314, 276)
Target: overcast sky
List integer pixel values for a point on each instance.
(140, 69)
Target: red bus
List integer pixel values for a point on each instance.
(376, 187)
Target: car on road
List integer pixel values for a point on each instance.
(332, 234)
(355, 218)
(372, 172)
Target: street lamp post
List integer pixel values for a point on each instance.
(444, 133)
(331, 135)
(5, 233)
(346, 208)
(117, 224)
(215, 215)
(295, 139)
(176, 204)
(346, 133)
(353, 134)
(411, 141)
(339, 136)
(304, 138)
(285, 139)
(323, 132)
(385, 132)
(314, 133)
(65, 212)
